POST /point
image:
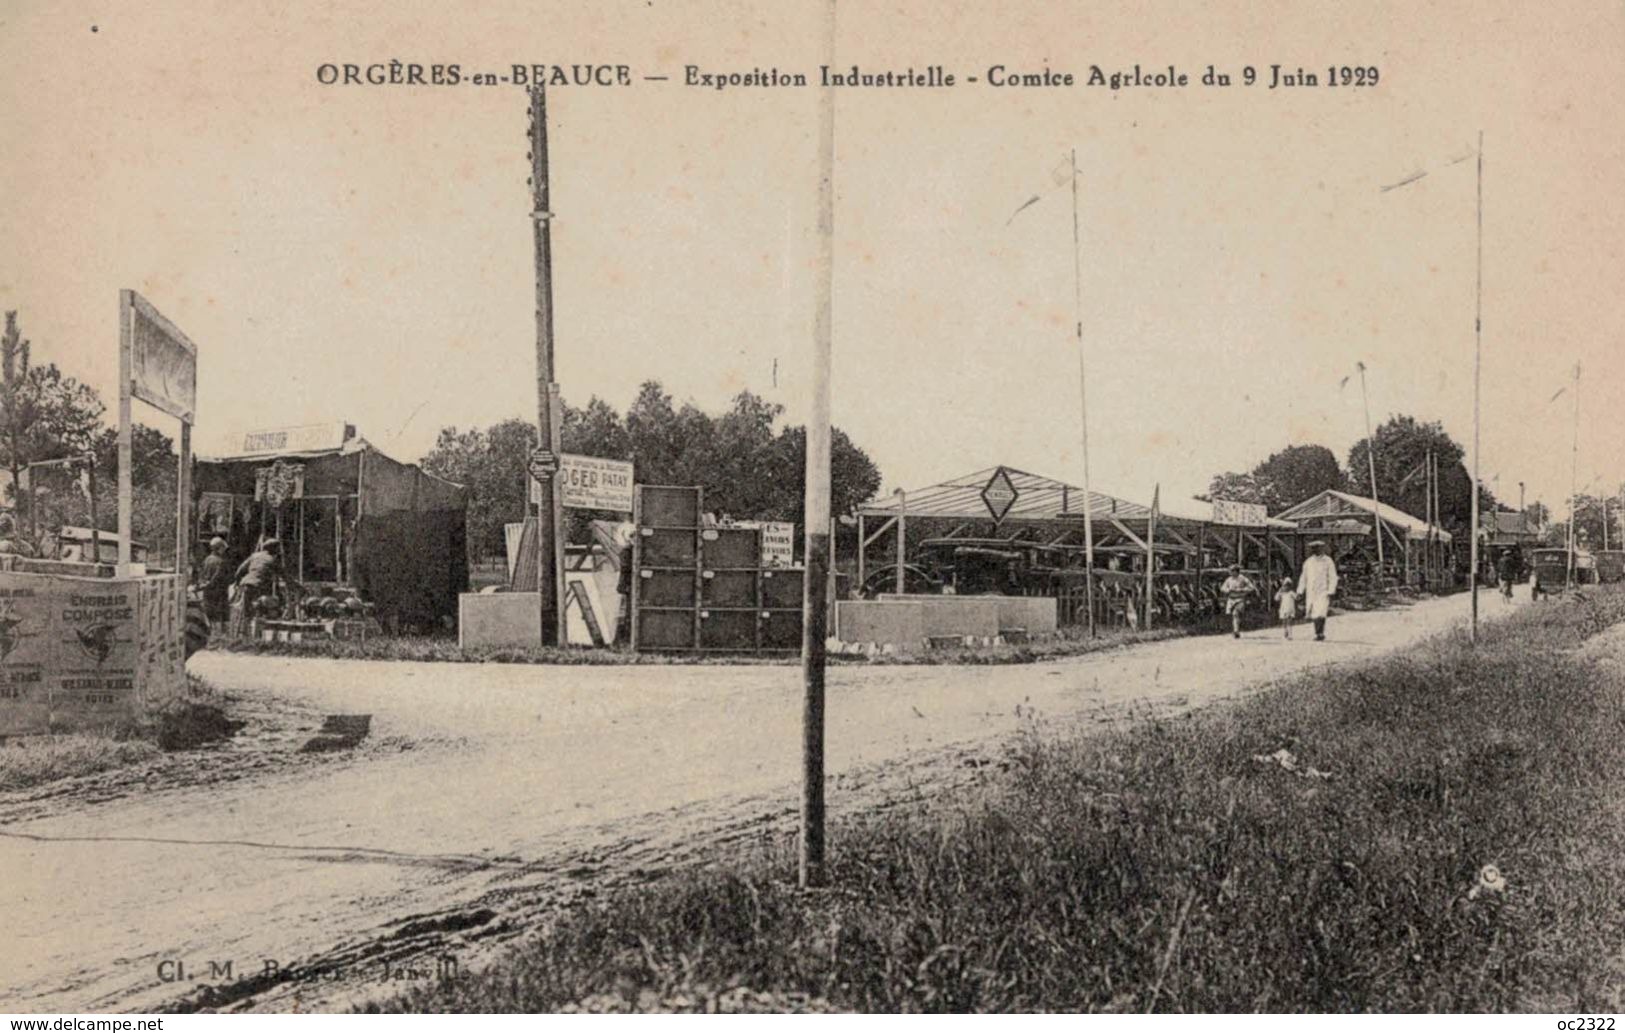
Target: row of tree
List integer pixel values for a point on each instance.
(750, 466)
(1402, 445)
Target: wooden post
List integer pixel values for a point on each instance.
(816, 502)
(1151, 556)
(899, 585)
(95, 533)
(1478, 349)
(1083, 404)
(126, 448)
(547, 530)
(1371, 463)
(1574, 480)
(863, 548)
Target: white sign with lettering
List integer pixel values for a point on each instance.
(589, 482)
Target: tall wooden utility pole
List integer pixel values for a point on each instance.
(547, 523)
(1083, 403)
(815, 600)
(1478, 364)
(1574, 480)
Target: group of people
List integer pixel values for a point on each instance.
(1314, 588)
(256, 577)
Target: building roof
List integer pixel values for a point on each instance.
(1333, 504)
(1512, 524)
(1037, 498)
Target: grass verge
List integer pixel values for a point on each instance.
(28, 761)
(1185, 865)
(446, 650)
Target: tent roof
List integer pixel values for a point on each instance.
(1037, 498)
(1334, 503)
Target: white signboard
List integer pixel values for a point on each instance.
(591, 483)
(163, 362)
(778, 541)
(310, 437)
(1246, 514)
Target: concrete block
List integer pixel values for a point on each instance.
(899, 624)
(502, 619)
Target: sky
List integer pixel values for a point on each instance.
(364, 253)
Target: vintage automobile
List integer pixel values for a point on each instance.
(1551, 567)
(1611, 566)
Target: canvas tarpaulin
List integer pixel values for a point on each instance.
(408, 545)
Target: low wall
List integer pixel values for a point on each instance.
(498, 619)
(900, 625)
(1034, 614)
(967, 614)
(86, 652)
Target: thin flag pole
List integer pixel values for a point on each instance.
(1083, 404)
(1478, 364)
(1371, 463)
(1574, 479)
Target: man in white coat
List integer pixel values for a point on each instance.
(1316, 586)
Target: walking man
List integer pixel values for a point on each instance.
(1316, 586)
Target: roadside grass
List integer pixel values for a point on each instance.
(31, 760)
(429, 649)
(1183, 865)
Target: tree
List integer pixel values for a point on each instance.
(1402, 445)
(1285, 479)
(1588, 521)
(63, 498)
(748, 466)
(43, 414)
(490, 463)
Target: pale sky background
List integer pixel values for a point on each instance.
(364, 252)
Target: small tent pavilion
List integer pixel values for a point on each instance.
(1416, 551)
(347, 515)
(1048, 514)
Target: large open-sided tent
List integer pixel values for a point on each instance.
(1413, 548)
(1047, 513)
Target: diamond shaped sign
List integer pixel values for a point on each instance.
(999, 494)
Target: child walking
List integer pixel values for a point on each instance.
(1286, 605)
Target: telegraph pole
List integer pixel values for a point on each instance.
(1574, 479)
(1478, 363)
(547, 529)
(815, 599)
(1083, 405)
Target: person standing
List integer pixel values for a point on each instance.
(1286, 605)
(215, 583)
(1317, 583)
(1237, 589)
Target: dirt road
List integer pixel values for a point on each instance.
(488, 794)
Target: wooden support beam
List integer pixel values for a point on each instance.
(1130, 535)
(882, 529)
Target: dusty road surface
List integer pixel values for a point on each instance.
(487, 795)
